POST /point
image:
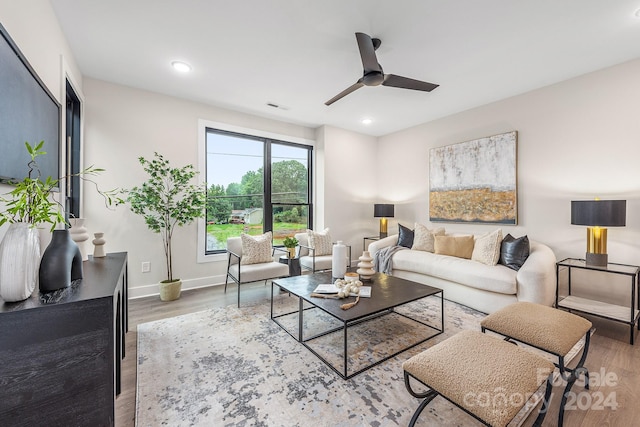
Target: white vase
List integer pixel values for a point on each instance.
(44, 231)
(339, 260)
(98, 250)
(79, 235)
(19, 262)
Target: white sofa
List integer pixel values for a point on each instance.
(476, 285)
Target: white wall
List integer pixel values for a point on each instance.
(34, 27)
(576, 140)
(347, 182)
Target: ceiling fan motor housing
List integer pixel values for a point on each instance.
(373, 78)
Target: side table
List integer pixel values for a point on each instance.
(294, 265)
(624, 314)
(364, 241)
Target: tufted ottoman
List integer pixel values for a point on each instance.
(548, 329)
(485, 376)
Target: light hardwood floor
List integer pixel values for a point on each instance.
(610, 353)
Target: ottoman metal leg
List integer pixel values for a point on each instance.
(427, 396)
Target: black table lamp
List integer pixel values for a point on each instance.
(597, 215)
(383, 211)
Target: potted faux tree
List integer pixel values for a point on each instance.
(29, 205)
(168, 199)
(290, 243)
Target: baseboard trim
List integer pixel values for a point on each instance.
(154, 288)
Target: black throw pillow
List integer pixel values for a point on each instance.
(405, 236)
(514, 252)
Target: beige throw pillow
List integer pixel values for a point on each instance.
(423, 238)
(320, 242)
(458, 246)
(487, 248)
(256, 249)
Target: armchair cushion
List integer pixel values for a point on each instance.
(320, 242)
(256, 249)
(322, 262)
(256, 272)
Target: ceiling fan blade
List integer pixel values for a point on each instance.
(347, 91)
(368, 54)
(407, 83)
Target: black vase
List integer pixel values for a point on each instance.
(61, 262)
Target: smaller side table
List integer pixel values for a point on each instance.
(364, 241)
(624, 314)
(294, 265)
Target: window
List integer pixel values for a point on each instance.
(255, 184)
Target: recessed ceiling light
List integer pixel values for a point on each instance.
(183, 67)
(367, 121)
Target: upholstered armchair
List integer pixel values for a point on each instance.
(317, 256)
(253, 263)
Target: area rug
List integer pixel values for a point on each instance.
(236, 367)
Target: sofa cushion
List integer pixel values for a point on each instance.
(514, 252)
(486, 248)
(405, 236)
(320, 242)
(256, 249)
(423, 237)
(496, 278)
(457, 246)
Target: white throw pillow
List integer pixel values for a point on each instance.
(423, 238)
(487, 248)
(256, 249)
(320, 242)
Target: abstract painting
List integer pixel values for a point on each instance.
(474, 181)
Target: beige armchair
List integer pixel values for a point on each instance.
(308, 258)
(246, 273)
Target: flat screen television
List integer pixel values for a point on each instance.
(28, 112)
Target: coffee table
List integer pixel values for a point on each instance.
(387, 293)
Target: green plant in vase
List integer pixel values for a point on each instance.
(31, 200)
(290, 243)
(166, 200)
(28, 205)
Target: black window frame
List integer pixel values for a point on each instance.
(266, 176)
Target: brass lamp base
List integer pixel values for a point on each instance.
(597, 247)
(383, 227)
(597, 260)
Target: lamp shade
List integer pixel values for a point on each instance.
(383, 210)
(599, 213)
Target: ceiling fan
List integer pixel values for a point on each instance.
(373, 74)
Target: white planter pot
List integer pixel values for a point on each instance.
(19, 262)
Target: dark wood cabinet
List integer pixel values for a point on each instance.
(60, 352)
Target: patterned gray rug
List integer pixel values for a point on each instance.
(235, 367)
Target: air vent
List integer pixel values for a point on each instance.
(279, 107)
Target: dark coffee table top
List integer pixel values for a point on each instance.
(386, 292)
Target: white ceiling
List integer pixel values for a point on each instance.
(300, 53)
